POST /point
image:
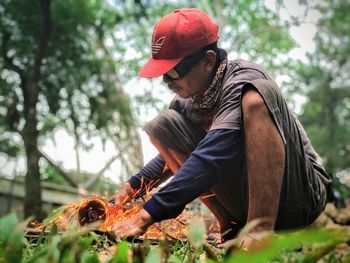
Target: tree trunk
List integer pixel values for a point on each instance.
(30, 134)
(33, 201)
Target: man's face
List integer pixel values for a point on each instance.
(196, 81)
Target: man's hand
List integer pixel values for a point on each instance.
(135, 226)
(122, 195)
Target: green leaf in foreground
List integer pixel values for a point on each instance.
(11, 238)
(196, 232)
(122, 253)
(153, 256)
(57, 212)
(7, 226)
(89, 257)
(287, 242)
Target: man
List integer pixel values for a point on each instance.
(228, 138)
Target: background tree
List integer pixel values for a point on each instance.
(56, 72)
(325, 82)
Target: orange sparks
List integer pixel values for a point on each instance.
(96, 213)
(207, 196)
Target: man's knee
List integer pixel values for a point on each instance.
(167, 116)
(163, 121)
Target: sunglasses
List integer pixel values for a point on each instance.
(185, 65)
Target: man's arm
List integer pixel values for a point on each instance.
(148, 177)
(153, 174)
(199, 173)
(212, 157)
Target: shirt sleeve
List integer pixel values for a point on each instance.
(213, 156)
(229, 112)
(154, 173)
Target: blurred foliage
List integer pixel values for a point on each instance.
(325, 82)
(56, 71)
(82, 245)
(77, 87)
(250, 30)
(50, 174)
(341, 191)
(11, 239)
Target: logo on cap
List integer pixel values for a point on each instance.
(157, 45)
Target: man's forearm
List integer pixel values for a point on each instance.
(149, 176)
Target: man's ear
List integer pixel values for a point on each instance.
(210, 58)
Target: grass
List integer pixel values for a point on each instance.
(85, 246)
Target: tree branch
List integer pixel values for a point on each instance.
(9, 60)
(97, 176)
(60, 170)
(121, 150)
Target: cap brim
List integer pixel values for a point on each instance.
(158, 67)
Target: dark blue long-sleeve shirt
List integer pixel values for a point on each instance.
(212, 157)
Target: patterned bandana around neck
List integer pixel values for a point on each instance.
(208, 99)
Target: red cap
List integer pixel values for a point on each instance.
(177, 35)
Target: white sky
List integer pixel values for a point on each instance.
(94, 160)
